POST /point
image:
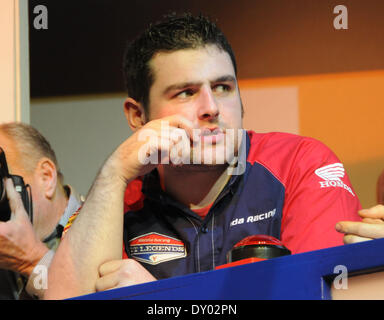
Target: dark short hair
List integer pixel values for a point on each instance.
(173, 33)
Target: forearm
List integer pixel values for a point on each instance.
(95, 237)
(97, 233)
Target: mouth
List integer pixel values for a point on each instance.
(212, 135)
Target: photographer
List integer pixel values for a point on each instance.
(23, 246)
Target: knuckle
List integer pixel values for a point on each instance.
(125, 273)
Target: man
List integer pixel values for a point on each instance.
(186, 210)
(23, 246)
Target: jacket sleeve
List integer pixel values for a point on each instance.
(318, 195)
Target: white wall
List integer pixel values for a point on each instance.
(83, 131)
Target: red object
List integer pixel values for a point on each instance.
(133, 197)
(253, 249)
(238, 263)
(258, 240)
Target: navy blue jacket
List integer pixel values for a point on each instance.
(293, 188)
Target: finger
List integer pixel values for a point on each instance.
(376, 212)
(14, 198)
(373, 221)
(156, 151)
(109, 267)
(180, 149)
(109, 281)
(361, 229)
(173, 137)
(181, 122)
(170, 151)
(350, 238)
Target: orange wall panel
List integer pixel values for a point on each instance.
(346, 112)
(261, 105)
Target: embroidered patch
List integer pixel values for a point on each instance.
(155, 248)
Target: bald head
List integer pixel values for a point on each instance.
(27, 146)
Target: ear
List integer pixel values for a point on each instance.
(46, 173)
(135, 114)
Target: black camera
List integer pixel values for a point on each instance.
(21, 188)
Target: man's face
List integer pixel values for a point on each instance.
(199, 84)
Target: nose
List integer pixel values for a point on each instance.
(208, 108)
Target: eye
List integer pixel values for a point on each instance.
(185, 94)
(220, 88)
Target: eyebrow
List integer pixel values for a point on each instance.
(178, 86)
